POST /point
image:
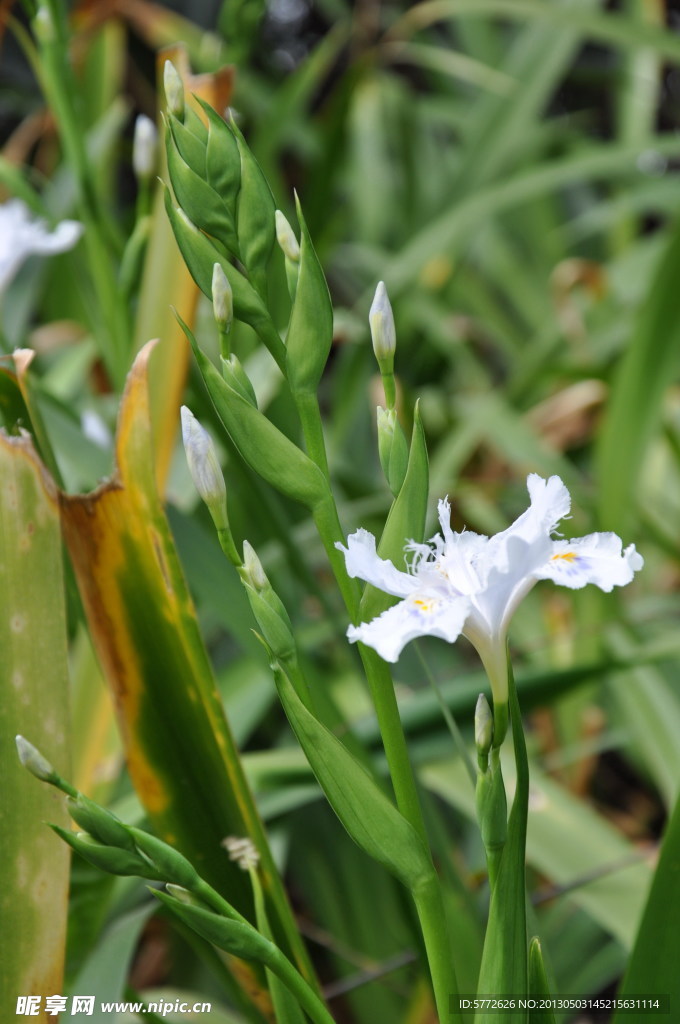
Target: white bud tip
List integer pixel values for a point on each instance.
(242, 851)
(32, 759)
(252, 567)
(381, 320)
(144, 147)
(285, 236)
(222, 296)
(204, 465)
(174, 89)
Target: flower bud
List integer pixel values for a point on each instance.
(32, 759)
(483, 729)
(144, 148)
(168, 863)
(285, 236)
(383, 334)
(223, 299)
(205, 468)
(174, 90)
(106, 858)
(392, 448)
(253, 574)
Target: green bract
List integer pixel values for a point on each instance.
(371, 819)
(310, 331)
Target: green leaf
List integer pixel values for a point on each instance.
(34, 703)
(538, 984)
(255, 219)
(370, 818)
(310, 331)
(653, 967)
(649, 365)
(223, 161)
(191, 148)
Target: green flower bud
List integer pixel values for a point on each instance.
(310, 331)
(43, 25)
(144, 148)
(205, 468)
(223, 299)
(383, 334)
(483, 730)
(392, 448)
(267, 606)
(183, 895)
(174, 90)
(168, 862)
(235, 936)
(285, 236)
(252, 573)
(32, 759)
(107, 858)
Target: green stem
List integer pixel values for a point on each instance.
(295, 983)
(307, 406)
(432, 919)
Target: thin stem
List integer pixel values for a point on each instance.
(307, 406)
(310, 1002)
(432, 919)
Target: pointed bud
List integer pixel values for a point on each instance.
(167, 862)
(381, 320)
(144, 148)
(483, 725)
(223, 299)
(392, 448)
(174, 90)
(205, 468)
(183, 895)
(32, 759)
(483, 730)
(253, 574)
(106, 858)
(285, 236)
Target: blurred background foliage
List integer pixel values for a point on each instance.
(510, 169)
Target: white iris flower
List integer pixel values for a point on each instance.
(23, 235)
(470, 584)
